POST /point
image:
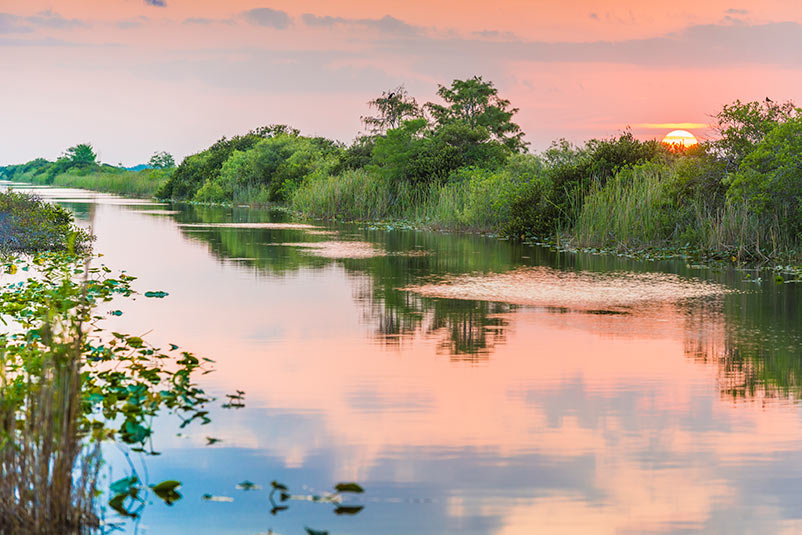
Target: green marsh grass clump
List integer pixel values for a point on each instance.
(29, 224)
(143, 184)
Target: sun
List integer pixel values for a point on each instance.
(680, 138)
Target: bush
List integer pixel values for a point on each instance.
(769, 179)
(29, 224)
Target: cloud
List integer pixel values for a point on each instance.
(198, 20)
(387, 24)
(669, 126)
(325, 21)
(733, 11)
(496, 35)
(710, 45)
(51, 19)
(13, 24)
(132, 23)
(156, 3)
(44, 19)
(593, 16)
(270, 18)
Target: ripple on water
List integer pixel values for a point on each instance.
(541, 286)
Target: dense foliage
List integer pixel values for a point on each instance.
(29, 224)
(78, 167)
(461, 162)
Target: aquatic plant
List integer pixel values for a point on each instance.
(67, 385)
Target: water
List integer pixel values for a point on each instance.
(628, 397)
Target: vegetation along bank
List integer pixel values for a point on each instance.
(461, 163)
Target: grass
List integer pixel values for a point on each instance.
(360, 196)
(141, 184)
(638, 210)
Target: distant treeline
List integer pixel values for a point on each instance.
(462, 163)
(78, 167)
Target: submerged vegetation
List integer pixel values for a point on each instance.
(461, 163)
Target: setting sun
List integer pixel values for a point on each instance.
(680, 138)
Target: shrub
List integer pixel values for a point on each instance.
(769, 179)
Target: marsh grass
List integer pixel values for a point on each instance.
(143, 184)
(640, 209)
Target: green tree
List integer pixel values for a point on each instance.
(476, 103)
(161, 160)
(81, 155)
(743, 125)
(393, 107)
(770, 176)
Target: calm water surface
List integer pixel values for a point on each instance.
(673, 415)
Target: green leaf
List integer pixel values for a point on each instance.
(166, 490)
(348, 487)
(348, 509)
(311, 531)
(278, 486)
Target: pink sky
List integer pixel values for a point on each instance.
(132, 77)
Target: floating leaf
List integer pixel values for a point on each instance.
(278, 486)
(211, 440)
(221, 499)
(247, 485)
(156, 294)
(348, 509)
(166, 490)
(311, 531)
(348, 487)
(278, 508)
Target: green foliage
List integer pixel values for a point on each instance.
(161, 160)
(356, 156)
(743, 125)
(190, 175)
(393, 107)
(476, 103)
(67, 384)
(81, 155)
(270, 171)
(29, 224)
(769, 179)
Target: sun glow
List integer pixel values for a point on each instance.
(680, 138)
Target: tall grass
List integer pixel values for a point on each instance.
(641, 208)
(143, 184)
(464, 204)
(631, 210)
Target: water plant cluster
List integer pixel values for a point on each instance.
(68, 383)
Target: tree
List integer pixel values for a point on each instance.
(477, 104)
(81, 155)
(393, 107)
(770, 177)
(161, 160)
(743, 125)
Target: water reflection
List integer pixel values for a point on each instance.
(464, 416)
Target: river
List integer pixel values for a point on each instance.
(469, 384)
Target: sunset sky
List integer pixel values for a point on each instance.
(136, 76)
